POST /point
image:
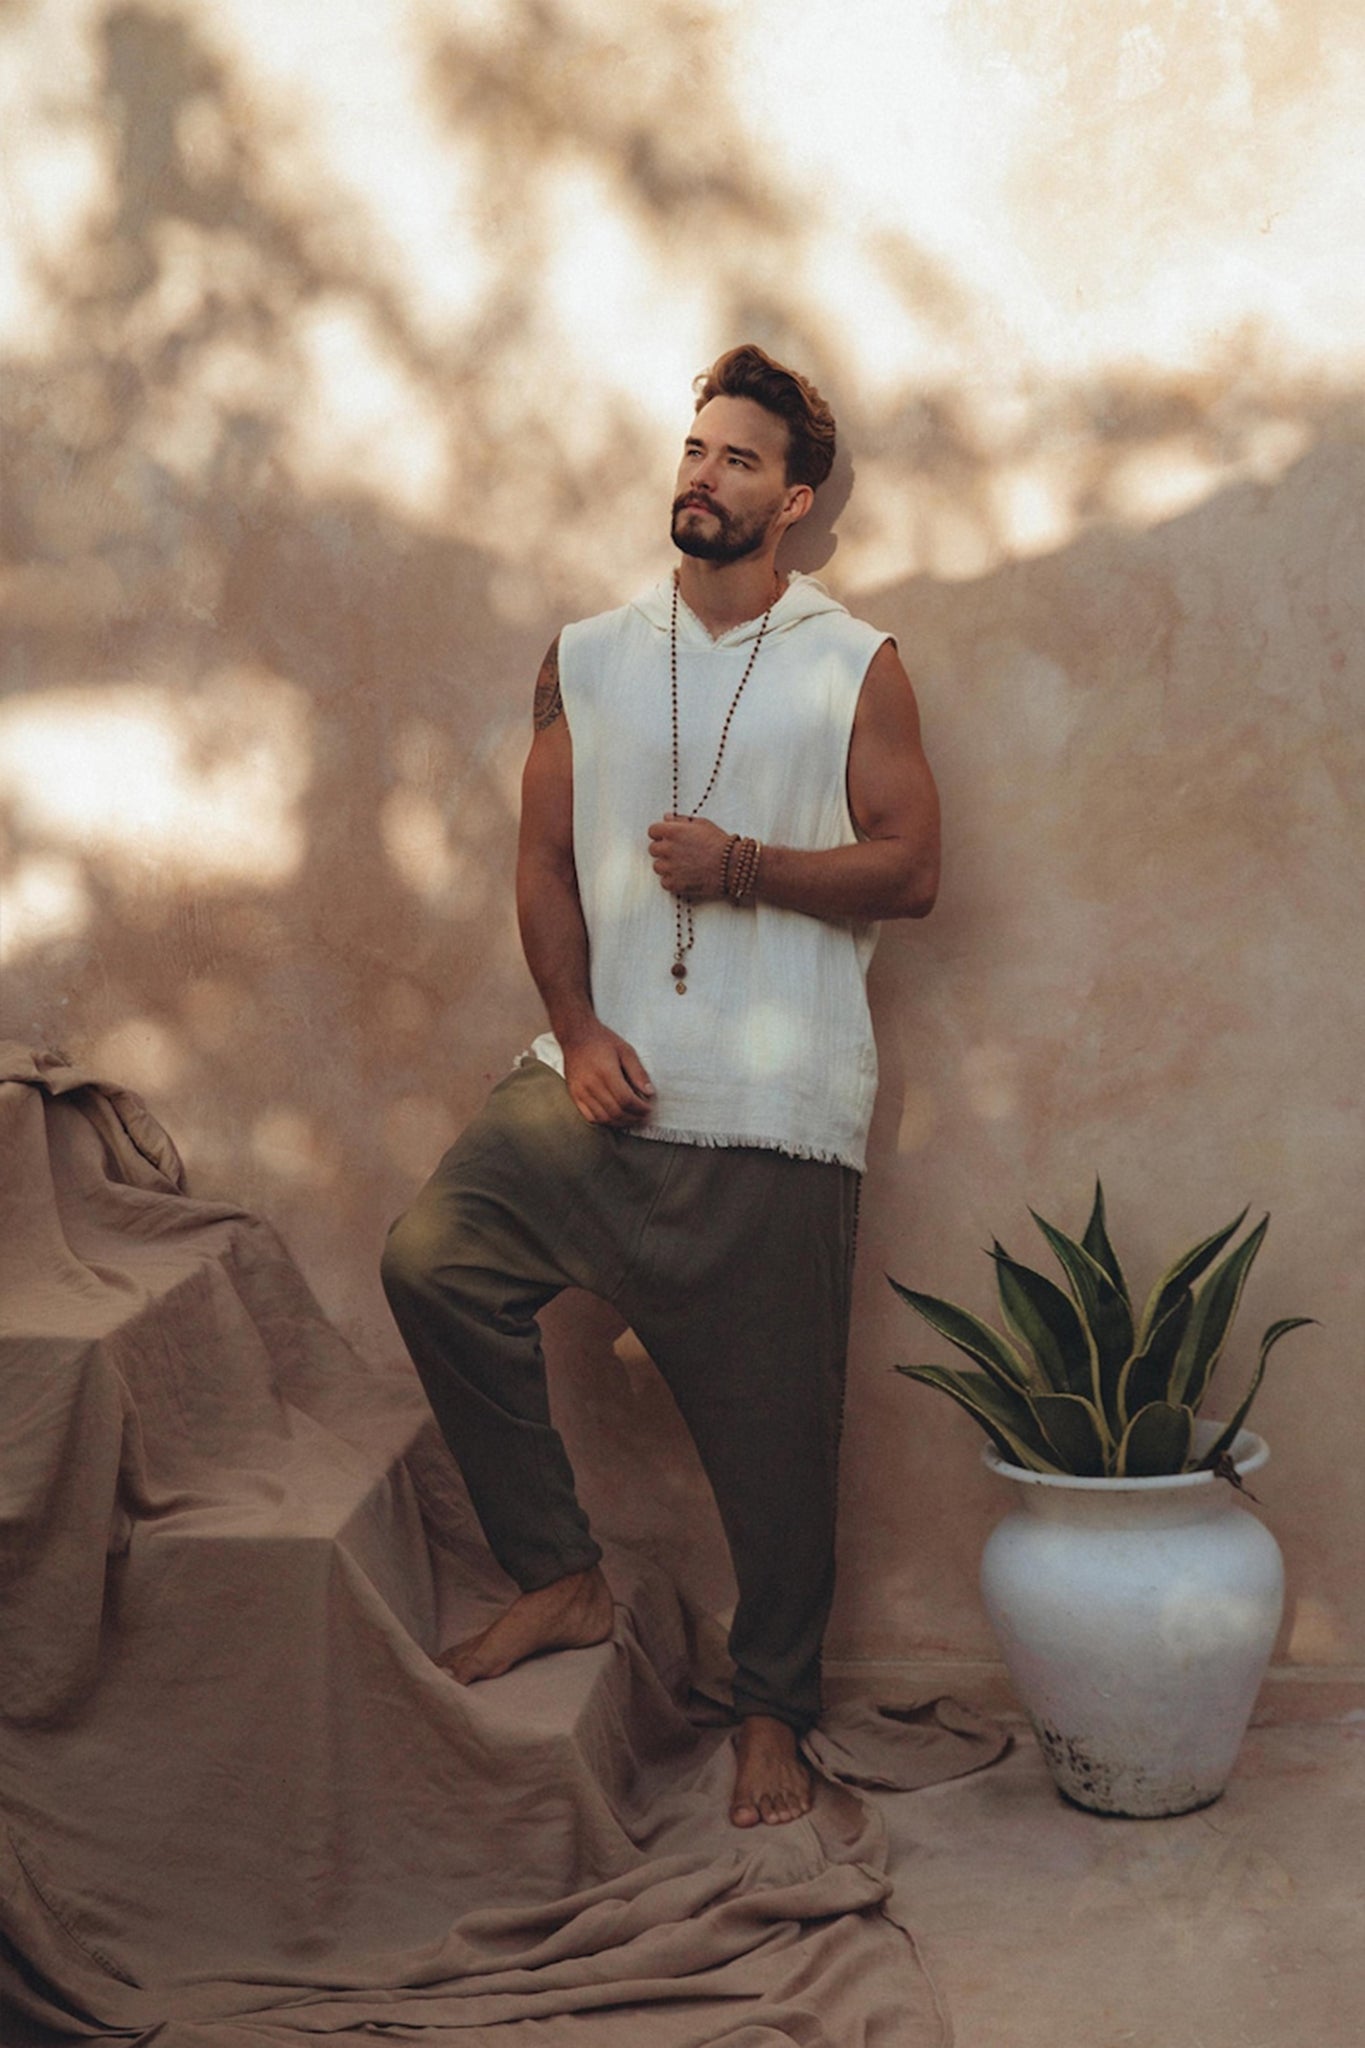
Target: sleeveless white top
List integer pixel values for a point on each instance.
(772, 1043)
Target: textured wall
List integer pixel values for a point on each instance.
(345, 354)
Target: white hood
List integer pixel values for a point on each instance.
(803, 598)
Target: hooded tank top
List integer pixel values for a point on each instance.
(772, 1043)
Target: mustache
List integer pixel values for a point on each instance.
(702, 504)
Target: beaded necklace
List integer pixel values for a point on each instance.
(684, 930)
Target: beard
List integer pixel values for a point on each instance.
(731, 537)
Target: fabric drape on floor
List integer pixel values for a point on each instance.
(241, 1804)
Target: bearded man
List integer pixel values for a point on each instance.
(725, 792)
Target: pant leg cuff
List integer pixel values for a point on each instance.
(800, 1719)
(549, 1572)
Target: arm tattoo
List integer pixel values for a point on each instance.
(549, 704)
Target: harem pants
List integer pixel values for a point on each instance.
(733, 1267)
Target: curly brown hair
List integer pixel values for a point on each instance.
(747, 372)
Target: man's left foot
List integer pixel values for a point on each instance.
(571, 1614)
(772, 1785)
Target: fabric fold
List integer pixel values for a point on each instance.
(241, 1802)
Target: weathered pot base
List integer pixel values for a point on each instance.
(1110, 1794)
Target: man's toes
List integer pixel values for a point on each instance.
(744, 1814)
(467, 1662)
(787, 1804)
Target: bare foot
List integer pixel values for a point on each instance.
(569, 1615)
(772, 1785)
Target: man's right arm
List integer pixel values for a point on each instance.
(603, 1073)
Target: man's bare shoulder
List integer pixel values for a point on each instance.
(549, 700)
(589, 644)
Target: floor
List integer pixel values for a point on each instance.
(1239, 1927)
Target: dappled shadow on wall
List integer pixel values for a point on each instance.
(286, 533)
(1149, 744)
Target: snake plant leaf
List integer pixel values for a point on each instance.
(980, 1342)
(1105, 1313)
(1147, 1375)
(1216, 1305)
(1156, 1442)
(1076, 1432)
(1004, 1413)
(1271, 1338)
(1183, 1274)
(1046, 1320)
(1096, 1242)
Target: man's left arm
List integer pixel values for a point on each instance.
(893, 869)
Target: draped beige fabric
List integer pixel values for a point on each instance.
(241, 1804)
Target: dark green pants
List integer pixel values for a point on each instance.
(732, 1266)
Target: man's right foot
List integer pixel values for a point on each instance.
(571, 1614)
(772, 1784)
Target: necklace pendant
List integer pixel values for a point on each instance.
(679, 972)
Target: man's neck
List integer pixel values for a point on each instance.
(727, 594)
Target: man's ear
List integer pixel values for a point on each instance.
(800, 498)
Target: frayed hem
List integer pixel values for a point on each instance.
(725, 1141)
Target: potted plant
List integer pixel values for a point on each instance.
(1135, 1599)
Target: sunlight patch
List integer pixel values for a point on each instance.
(203, 784)
(919, 1115)
(604, 286)
(774, 1040)
(142, 1054)
(1033, 507)
(53, 169)
(990, 1074)
(422, 853)
(363, 421)
(1162, 480)
(286, 1144)
(418, 1129)
(44, 900)
(1316, 1635)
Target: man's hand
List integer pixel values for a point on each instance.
(606, 1082)
(689, 857)
(891, 870)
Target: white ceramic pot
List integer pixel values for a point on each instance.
(1136, 1617)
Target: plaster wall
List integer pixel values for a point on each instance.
(346, 351)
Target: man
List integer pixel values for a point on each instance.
(724, 792)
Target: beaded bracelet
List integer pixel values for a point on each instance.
(731, 843)
(743, 873)
(750, 880)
